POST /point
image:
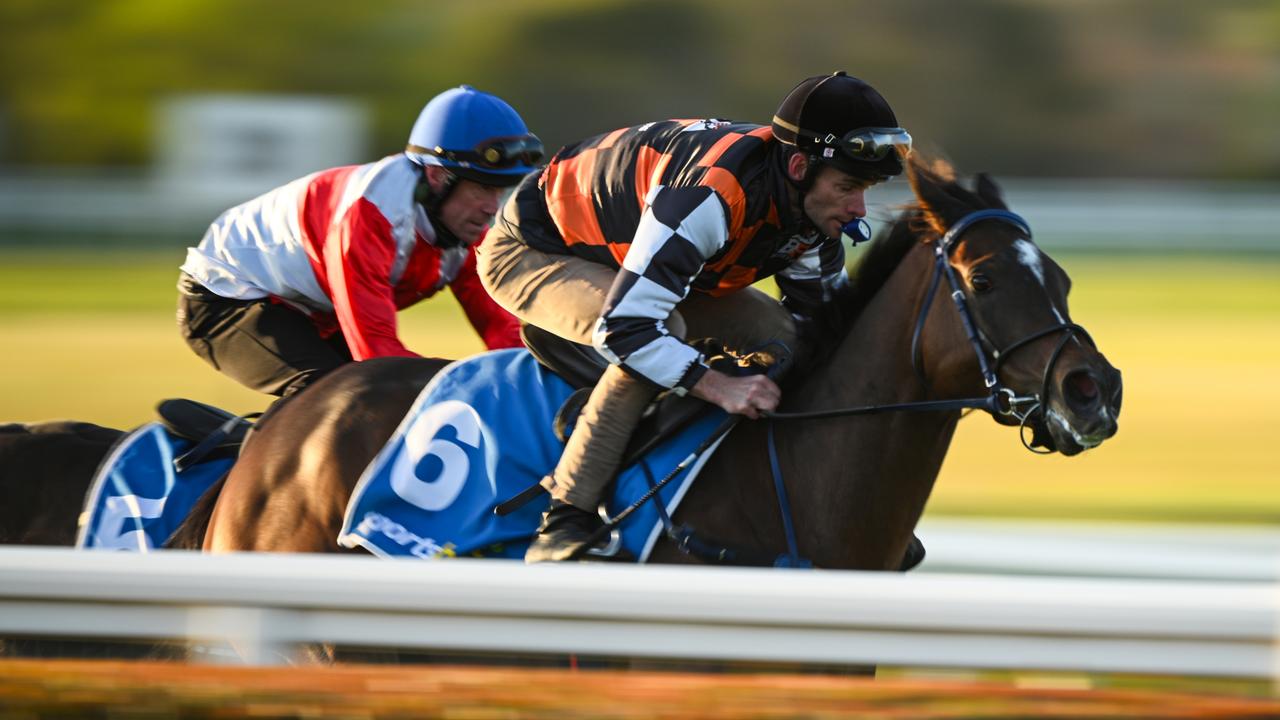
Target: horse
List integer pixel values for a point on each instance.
(857, 484)
(45, 470)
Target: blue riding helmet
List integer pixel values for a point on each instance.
(476, 136)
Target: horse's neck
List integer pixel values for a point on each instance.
(868, 477)
(872, 363)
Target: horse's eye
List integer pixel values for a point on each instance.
(980, 283)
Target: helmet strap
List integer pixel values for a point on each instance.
(810, 172)
(431, 202)
(802, 186)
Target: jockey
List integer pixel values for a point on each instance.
(605, 245)
(309, 276)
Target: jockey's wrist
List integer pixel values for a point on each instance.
(691, 378)
(711, 386)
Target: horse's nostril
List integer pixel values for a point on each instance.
(1083, 385)
(1080, 389)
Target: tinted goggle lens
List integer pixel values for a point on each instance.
(875, 143)
(507, 152)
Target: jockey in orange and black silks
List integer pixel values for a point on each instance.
(724, 185)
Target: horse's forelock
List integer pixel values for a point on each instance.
(940, 168)
(941, 199)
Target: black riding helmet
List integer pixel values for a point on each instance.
(842, 121)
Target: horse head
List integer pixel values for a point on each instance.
(1055, 380)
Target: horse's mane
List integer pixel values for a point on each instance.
(866, 278)
(878, 262)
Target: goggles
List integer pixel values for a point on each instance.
(492, 154)
(866, 144)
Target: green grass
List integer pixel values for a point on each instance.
(91, 336)
(1198, 341)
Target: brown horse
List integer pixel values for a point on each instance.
(857, 485)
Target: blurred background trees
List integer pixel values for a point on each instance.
(1066, 88)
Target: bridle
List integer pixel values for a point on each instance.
(1000, 401)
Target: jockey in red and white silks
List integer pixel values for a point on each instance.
(307, 277)
(349, 246)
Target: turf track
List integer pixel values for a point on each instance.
(58, 689)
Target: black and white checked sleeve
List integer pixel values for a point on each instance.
(814, 279)
(680, 229)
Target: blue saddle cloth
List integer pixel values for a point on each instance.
(478, 434)
(137, 499)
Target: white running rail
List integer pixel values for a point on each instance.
(1100, 549)
(266, 604)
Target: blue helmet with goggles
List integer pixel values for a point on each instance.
(476, 136)
(842, 121)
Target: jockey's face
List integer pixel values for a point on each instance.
(469, 208)
(834, 199)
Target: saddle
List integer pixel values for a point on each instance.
(215, 432)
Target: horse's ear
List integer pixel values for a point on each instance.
(990, 192)
(933, 183)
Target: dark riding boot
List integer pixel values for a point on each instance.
(565, 529)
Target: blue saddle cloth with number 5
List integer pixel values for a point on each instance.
(478, 434)
(137, 498)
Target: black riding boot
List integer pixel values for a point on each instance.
(564, 530)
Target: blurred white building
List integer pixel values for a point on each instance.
(227, 148)
(211, 152)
